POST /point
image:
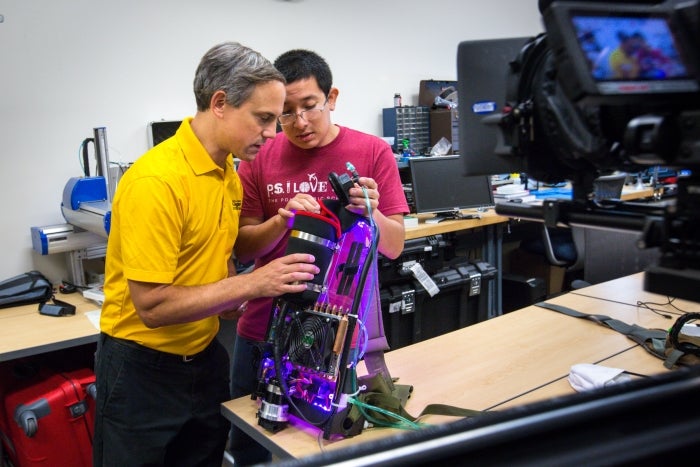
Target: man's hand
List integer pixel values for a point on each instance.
(287, 274)
(359, 195)
(300, 202)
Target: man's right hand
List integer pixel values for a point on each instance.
(287, 274)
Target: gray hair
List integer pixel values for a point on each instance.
(234, 69)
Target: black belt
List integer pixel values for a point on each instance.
(158, 353)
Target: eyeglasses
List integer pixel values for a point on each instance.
(288, 119)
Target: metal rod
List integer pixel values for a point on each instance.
(102, 157)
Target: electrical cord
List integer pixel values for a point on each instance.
(68, 287)
(365, 341)
(402, 422)
(363, 407)
(367, 271)
(85, 158)
(648, 306)
(685, 347)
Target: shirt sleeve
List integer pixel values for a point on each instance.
(252, 200)
(150, 249)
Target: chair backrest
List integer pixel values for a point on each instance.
(604, 187)
(609, 186)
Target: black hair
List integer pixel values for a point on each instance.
(300, 64)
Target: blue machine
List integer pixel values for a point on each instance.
(62, 238)
(86, 204)
(87, 201)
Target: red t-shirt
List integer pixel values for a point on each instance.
(281, 170)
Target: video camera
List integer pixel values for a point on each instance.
(611, 86)
(608, 86)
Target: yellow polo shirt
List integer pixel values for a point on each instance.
(174, 221)
(623, 66)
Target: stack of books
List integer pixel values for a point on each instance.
(513, 194)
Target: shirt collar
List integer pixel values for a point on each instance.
(196, 156)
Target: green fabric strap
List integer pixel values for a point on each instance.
(393, 404)
(652, 340)
(382, 397)
(442, 409)
(673, 358)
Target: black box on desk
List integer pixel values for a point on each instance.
(520, 291)
(411, 315)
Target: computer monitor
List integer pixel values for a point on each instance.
(161, 130)
(482, 70)
(439, 187)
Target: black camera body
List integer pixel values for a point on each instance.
(612, 86)
(609, 86)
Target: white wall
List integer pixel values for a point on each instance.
(69, 66)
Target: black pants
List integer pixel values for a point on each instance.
(244, 369)
(153, 408)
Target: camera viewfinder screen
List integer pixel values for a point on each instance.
(629, 48)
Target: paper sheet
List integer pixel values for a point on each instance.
(94, 317)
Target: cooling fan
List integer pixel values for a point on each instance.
(311, 340)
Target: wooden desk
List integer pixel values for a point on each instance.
(634, 360)
(630, 290)
(24, 332)
(513, 359)
(423, 229)
(623, 291)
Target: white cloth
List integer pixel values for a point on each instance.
(587, 376)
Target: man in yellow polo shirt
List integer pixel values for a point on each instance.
(169, 276)
(624, 62)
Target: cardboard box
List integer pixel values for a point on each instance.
(444, 123)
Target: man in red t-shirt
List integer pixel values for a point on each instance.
(291, 174)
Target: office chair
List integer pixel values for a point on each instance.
(564, 246)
